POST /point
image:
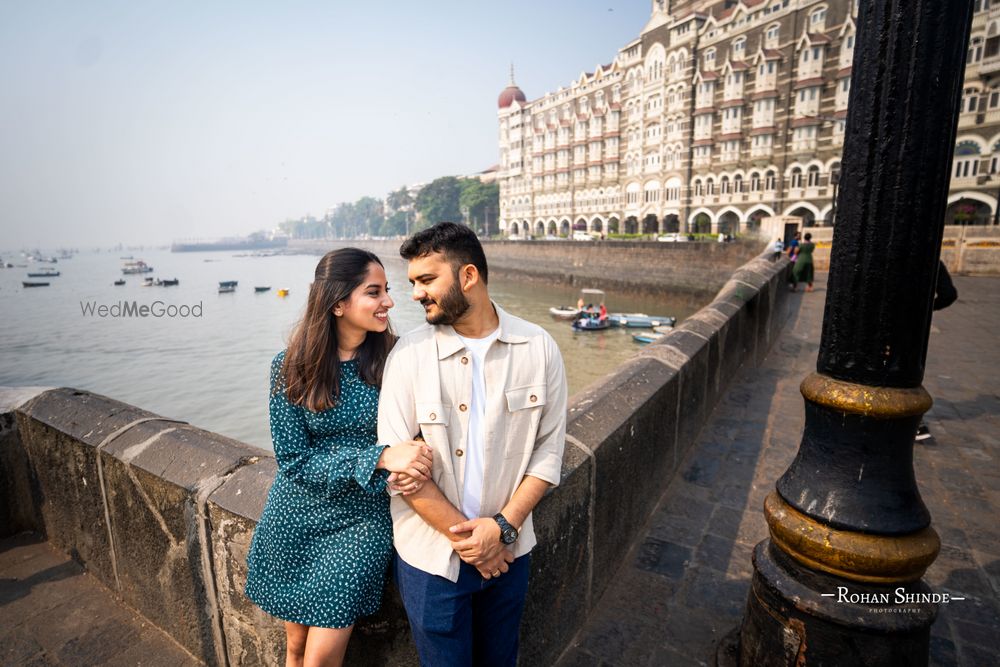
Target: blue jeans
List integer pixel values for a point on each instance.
(472, 622)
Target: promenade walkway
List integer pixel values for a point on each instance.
(684, 584)
(54, 613)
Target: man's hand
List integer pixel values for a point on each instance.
(493, 568)
(483, 545)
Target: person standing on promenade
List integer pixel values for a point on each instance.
(487, 391)
(802, 272)
(320, 552)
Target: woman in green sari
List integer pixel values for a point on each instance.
(802, 272)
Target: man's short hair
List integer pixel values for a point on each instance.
(457, 243)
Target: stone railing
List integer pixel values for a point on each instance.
(162, 512)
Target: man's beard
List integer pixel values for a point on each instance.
(452, 306)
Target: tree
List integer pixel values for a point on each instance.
(395, 224)
(368, 216)
(438, 201)
(481, 202)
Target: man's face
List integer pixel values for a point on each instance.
(437, 288)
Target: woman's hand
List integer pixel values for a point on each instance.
(410, 458)
(402, 482)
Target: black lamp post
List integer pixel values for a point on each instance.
(848, 528)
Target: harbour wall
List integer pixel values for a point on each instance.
(690, 268)
(162, 512)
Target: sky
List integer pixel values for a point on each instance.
(142, 122)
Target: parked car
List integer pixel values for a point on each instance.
(582, 236)
(672, 237)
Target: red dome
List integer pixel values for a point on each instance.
(509, 94)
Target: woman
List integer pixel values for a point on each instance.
(802, 272)
(319, 555)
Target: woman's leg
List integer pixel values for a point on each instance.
(325, 647)
(295, 643)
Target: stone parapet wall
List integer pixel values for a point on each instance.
(686, 267)
(162, 512)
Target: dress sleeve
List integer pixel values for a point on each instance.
(323, 472)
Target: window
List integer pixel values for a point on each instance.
(816, 20)
(755, 182)
(970, 100)
(773, 32)
(739, 48)
(796, 181)
(710, 59)
(966, 160)
(813, 177)
(737, 184)
(724, 185)
(709, 187)
(770, 180)
(975, 50)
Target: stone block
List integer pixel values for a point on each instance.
(157, 476)
(560, 564)
(20, 495)
(629, 423)
(61, 430)
(252, 636)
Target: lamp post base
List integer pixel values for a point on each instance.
(796, 617)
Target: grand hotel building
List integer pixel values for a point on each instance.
(721, 112)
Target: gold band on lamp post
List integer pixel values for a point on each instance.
(862, 399)
(875, 559)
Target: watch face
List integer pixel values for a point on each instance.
(509, 536)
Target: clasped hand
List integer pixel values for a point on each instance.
(410, 463)
(481, 547)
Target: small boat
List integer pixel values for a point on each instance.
(647, 337)
(564, 312)
(33, 283)
(120, 282)
(226, 289)
(138, 266)
(640, 320)
(169, 283)
(262, 289)
(147, 282)
(228, 283)
(664, 328)
(569, 312)
(587, 323)
(43, 274)
(283, 292)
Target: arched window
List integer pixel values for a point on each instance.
(755, 182)
(737, 184)
(709, 59)
(770, 180)
(724, 185)
(796, 181)
(966, 162)
(699, 189)
(970, 100)
(738, 49)
(813, 176)
(709, 186)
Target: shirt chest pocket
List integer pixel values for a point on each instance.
(433, 420)
(524, 405)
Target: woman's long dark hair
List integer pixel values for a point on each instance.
(311, 369)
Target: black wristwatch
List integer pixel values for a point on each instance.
(508, 533)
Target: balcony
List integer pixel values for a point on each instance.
(990, 64)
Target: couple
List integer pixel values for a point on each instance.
(485, 391)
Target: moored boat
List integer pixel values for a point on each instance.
(640, 320)
(647, 337)
(228, 283)
(262, 288)
(120, 282)
(43, 274)
(283, 292)
(564, 312)
(33, 283)
(226, 289)
(137, 266)
(169, 282)
(586, 323)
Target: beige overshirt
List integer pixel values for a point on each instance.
(427, 389)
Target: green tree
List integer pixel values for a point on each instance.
(439, 201)
(395, 224)
(481, 203)
(368, 216)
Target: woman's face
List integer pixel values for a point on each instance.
(367, 309)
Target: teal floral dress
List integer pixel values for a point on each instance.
(321, 549)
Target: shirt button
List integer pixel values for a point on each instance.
(463, 407)
(433, 416)
(465, 360)
(459, 452)
(533, 398)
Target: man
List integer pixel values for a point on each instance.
(487, 391)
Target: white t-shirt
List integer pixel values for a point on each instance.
(472, 490)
